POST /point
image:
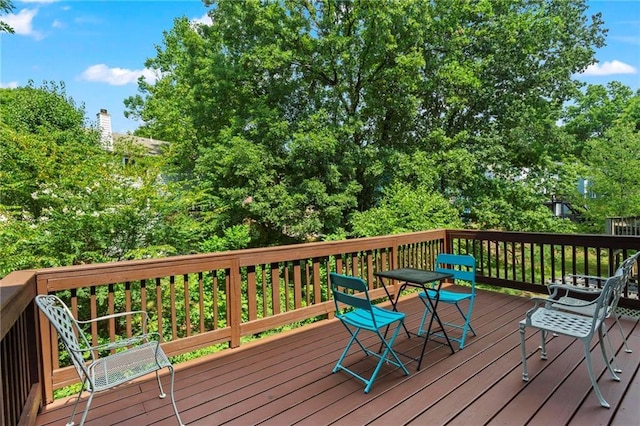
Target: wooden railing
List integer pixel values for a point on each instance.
(19, 350)
(530, 261)
(622, 226)
(203, 300)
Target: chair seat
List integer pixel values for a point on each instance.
(362, 319)
(127, 365)
(560, 322)
(447, 296)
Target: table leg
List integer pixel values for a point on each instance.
(434, 314)
(394, 303)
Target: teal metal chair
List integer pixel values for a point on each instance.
(355, 311)
(463, 268)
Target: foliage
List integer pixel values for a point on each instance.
(65, 201)
(6, 6)
(404, 208)
(289, 116)
(612, 162)
(596, 110)
(292, 121)
(605, 125)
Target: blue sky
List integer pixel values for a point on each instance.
(98, 48)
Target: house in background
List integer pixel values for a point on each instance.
(110, 139)
(563, 209)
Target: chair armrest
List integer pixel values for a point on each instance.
(537, 302)
(141, 337)
(558, 303)
(122, 343)
(590, 277)
(143, 314)
(548, 301)
(568, 288)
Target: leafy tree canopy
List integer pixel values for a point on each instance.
(64, 200)
(6, 6)
(294, 115)
(604, 127)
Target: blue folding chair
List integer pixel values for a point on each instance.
(463, 267)
(355, 311)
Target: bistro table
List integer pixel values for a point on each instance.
(411, 277)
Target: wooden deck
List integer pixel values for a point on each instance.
(287, 379)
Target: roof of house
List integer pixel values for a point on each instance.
(154, 146)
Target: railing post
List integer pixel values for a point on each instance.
(20, 374)
(46, 348)
(234, 308)
(448, 242)
(395, 262)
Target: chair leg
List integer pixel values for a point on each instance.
(426, 312)
(467, 323)
(543, 346)
(525, 374)
(614, 362)
(466, 317)
(383, 358)
(601, 333)
(358, 341)
(592, 377)
(86, 409)
(173, 399)
(627, 349)
(346, 349)
(162, 394)
(389, 349)
(75, 406)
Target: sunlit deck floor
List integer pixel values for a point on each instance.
(287, 379)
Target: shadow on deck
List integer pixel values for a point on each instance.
(287, 379)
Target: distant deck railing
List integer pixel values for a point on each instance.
(201, 300)
(622, 226)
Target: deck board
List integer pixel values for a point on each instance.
(288, 379)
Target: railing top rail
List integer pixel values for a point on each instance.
(15, 295)
(587, 240)
(104, 273)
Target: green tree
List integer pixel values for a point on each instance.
(604, 124)
(613, 173)
(6, 6)
(405, 208)
(595, 111)
(64, 200)
(290, 115)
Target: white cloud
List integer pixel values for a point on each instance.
(204, 19)
(609, 68)
(22, 22)
(9, 85)
(58, 24)
(116, 76)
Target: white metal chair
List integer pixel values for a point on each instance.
(567, 302)
(546, 318)
(463, 268)
(129, 358)
(355, 311)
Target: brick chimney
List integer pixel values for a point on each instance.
(106, 135)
